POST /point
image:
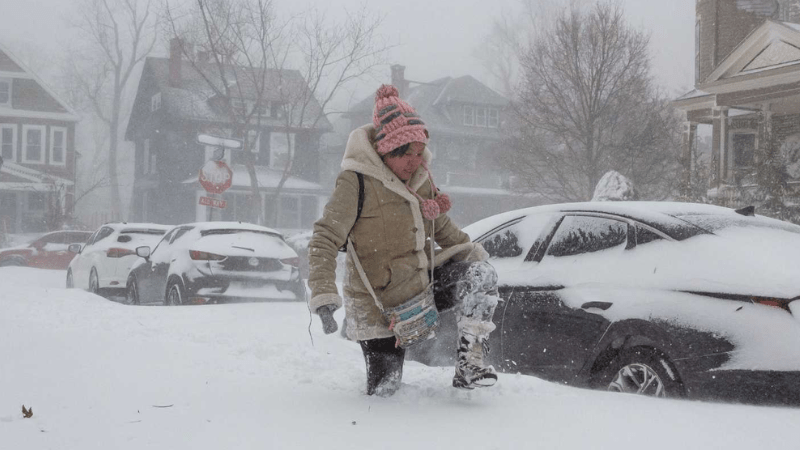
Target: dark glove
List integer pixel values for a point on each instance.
(325, 314)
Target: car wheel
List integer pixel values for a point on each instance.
(643, 371)
(70, 281)
(174, 295)
(132, 293)
(94, 282)
(14, 260)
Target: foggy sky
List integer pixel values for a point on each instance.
(435, 38)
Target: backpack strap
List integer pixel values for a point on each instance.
(360, 194)
(360, 176)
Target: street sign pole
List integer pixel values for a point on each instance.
(215, 176)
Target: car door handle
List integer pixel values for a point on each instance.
(599, 305)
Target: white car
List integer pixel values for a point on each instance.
(102, 264)
(216, 262)
(663, 299)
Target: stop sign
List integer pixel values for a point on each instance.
(215, 177)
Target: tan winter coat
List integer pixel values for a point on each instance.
(389, 239)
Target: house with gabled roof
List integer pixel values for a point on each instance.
(747, 89)
(175, 103)
(37, 147)
(466, 121)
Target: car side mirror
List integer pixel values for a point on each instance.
(74, 248)
(143, 252)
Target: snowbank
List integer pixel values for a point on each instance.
(102, 375)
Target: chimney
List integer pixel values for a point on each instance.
(175, 57)
(399, 79)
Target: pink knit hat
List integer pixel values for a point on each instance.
(396, 122)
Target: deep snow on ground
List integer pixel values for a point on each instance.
(102, 375)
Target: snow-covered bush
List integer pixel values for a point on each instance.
(614, 186)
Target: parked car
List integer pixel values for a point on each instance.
(49, 251)
(216, 262)
(101, 265)
(662, 299)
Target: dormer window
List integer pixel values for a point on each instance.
(481, 116)
(469, 115)
(5, 92)
(494, 118)
(155, 102)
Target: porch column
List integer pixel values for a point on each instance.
(688, 151)
(719, 148)
(766, 158)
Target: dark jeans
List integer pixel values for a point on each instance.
(385, 361)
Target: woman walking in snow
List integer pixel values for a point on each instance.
(386, 206)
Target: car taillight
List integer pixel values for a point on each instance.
(119, 252)
(775, 303)
(205, 256)
(294, 262)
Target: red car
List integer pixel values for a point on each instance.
(46, 252)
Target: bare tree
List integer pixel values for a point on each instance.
(586, 105)
(260, 64)
(116, 35)
(511, 35)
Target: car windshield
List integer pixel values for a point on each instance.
(713, 223)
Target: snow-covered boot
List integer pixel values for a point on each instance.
(477, 292)
(471, 371)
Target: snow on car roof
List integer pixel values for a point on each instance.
(669, 208)
(149, 228)
(128, 227)
(664, 213)
(202, 226)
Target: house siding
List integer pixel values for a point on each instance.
(28, 95)
(8, 65)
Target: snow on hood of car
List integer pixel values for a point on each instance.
(16, 248)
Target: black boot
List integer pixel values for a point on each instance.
(384, 366)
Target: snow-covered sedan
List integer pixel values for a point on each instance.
(216, 262)
(663, 299)
(49, 251)
(101, 265)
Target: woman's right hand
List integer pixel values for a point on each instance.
(325, 314)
